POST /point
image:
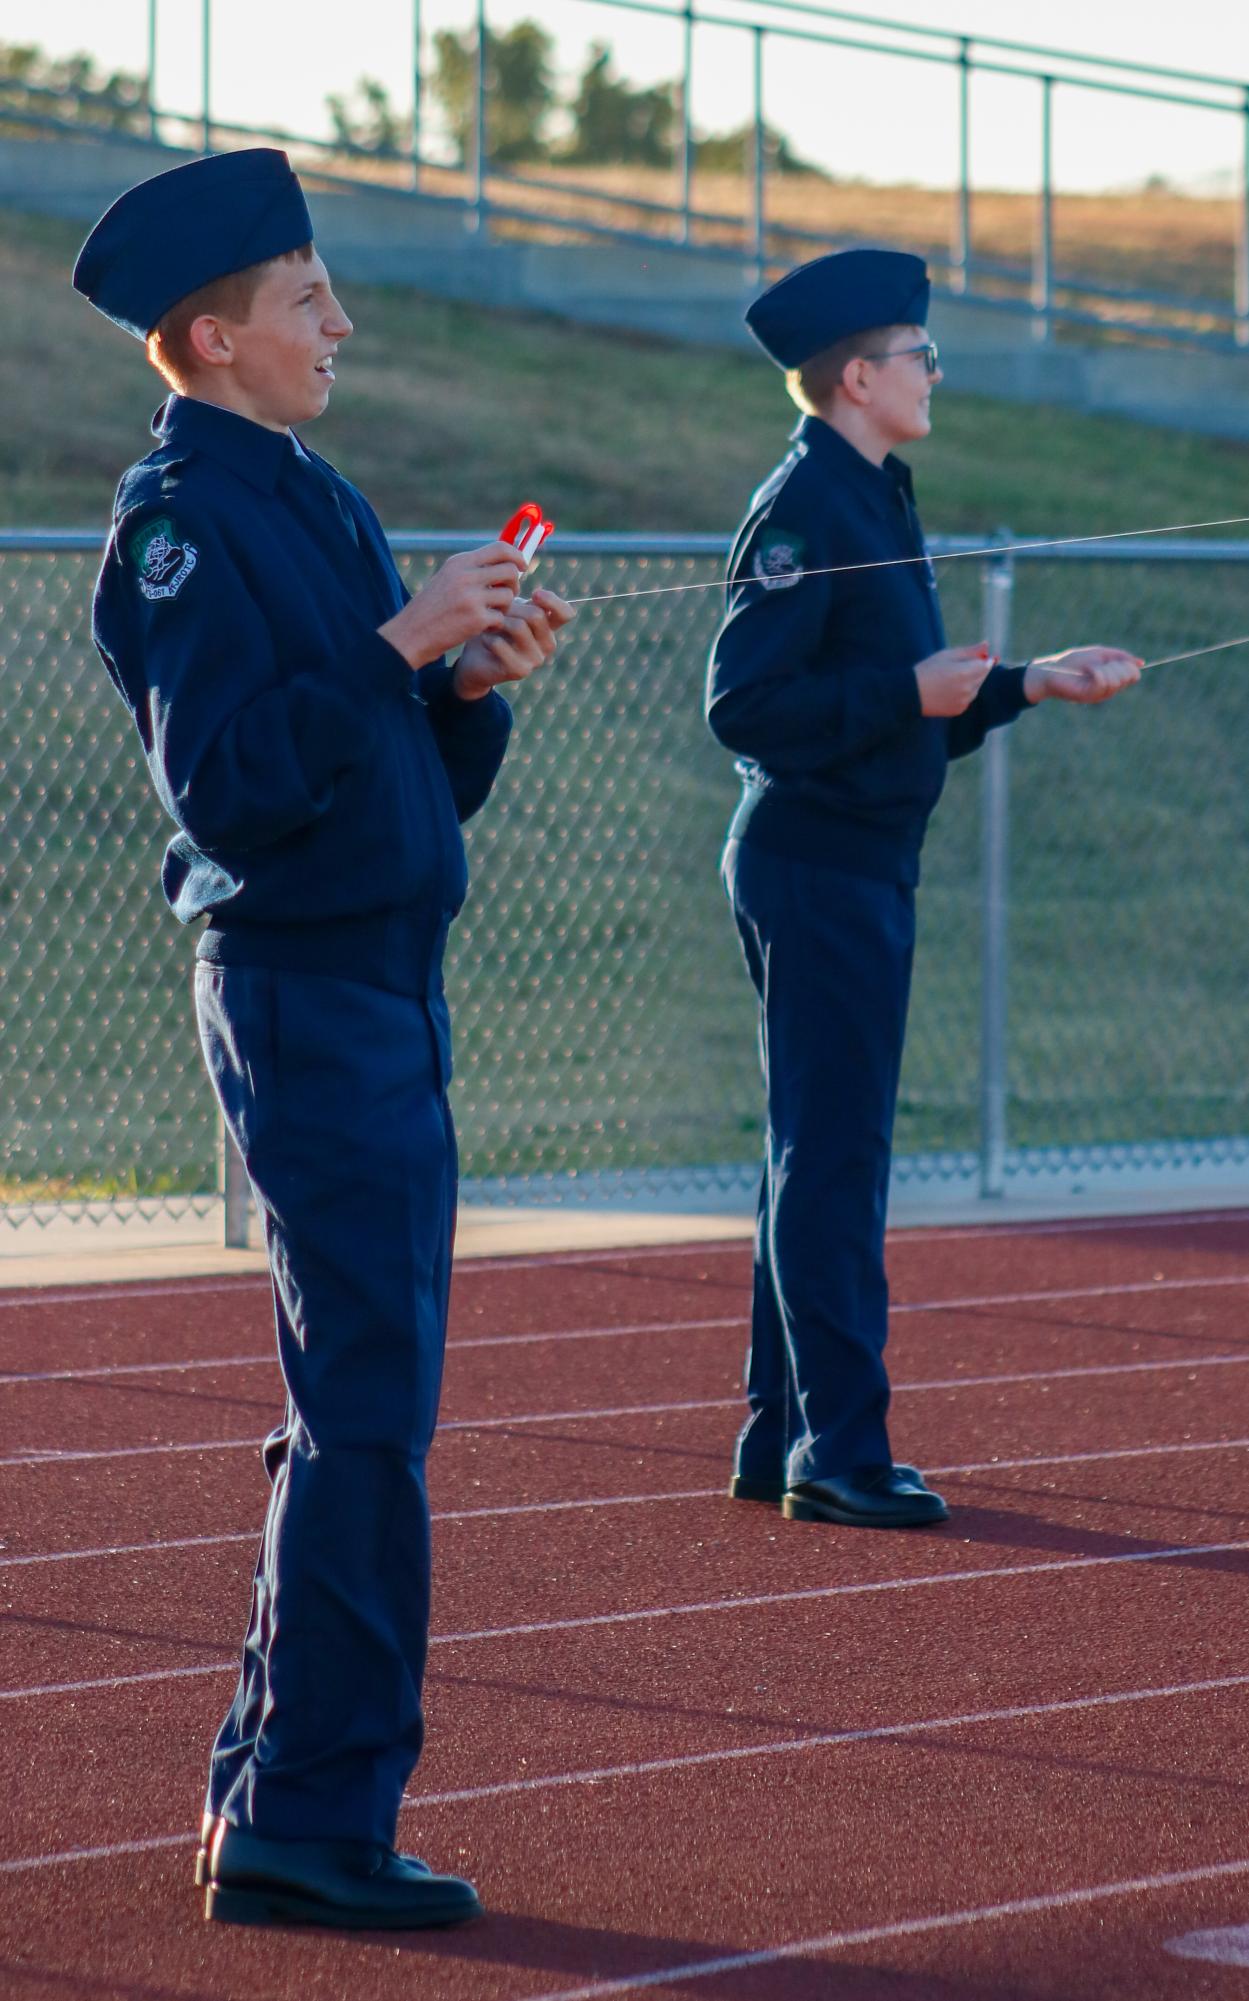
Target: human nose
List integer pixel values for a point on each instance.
(337, 322)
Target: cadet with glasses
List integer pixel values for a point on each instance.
(844, 704)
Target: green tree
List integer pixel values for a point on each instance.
(70, 89)
(365, 121)
(520, 92)
(615, 121)
(734, 152)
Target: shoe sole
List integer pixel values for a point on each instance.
(797, 1509)
(224, 1905)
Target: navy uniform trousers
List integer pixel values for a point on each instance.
(830, 958)
(334, 1092)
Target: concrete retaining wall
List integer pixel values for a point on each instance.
(380, 236)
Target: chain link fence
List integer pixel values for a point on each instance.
(605, 1028)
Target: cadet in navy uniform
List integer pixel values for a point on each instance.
(316, 753)
(843, 703)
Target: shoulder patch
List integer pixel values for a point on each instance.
(163, 563)
(778, 559)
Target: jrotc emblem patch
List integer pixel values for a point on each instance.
(778, 560)
(163, 563)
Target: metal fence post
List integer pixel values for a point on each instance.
(477, 220)
(761, 164)
(1242, 234)
(206, 38)
(960, 276)
(416, 93)
(687, 124)
(235, 1189)
(998, 586)
(1043, 253)
(152, 131)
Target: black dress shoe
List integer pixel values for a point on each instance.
(348, 1885)
(208, 1827)
(743, 1489)
(868, 1497)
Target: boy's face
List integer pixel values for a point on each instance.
(282, 355)
(900, 387)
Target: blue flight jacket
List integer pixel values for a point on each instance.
(316, 782)
(812, 678)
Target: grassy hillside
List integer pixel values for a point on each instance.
(447, 415)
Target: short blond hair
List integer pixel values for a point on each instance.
(811, 386)
(231, 297)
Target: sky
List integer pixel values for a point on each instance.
(857, 115)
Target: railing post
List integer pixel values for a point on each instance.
(1043, 255)
(761, 164)
(998, 586)
(687, 124)
(1242, 233)
(206, 61)
(152, 130)
(477, 221)
(235, 1189)
(416, 93)
(962, 228)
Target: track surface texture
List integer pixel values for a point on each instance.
(685, 1748)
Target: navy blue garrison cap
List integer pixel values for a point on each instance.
(180, 230)
(844, 293)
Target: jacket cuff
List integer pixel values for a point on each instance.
(1005, 695)
(380, 666)
(488, 716)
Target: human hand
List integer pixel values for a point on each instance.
(472, 593)
(1081, 674)
(523, 643)
(950, 681)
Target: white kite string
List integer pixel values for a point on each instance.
(1222, 647)
(950, 556)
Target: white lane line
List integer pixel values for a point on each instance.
(830, 1740)
(505, 1512)
(938, 1921)
(111, 1681)
(812, 1594)
(961, 1304)
(1129, 1287)
(727, 1754)
(102, 1854)
(38, 1456)
(818, 1592)
(86, 1295)
(1073, 1226)
(105, 1370)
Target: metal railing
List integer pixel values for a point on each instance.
(1046, 296)
(1079, 990)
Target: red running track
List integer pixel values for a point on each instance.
(685, 1748)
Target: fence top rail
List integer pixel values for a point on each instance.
(665, 548)
(1124, 66)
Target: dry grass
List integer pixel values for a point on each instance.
(1160, 241)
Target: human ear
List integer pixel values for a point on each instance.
(209, 341)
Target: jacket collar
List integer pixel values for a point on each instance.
(249, 449)
(876, 483)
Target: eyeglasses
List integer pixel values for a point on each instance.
(928, 350)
